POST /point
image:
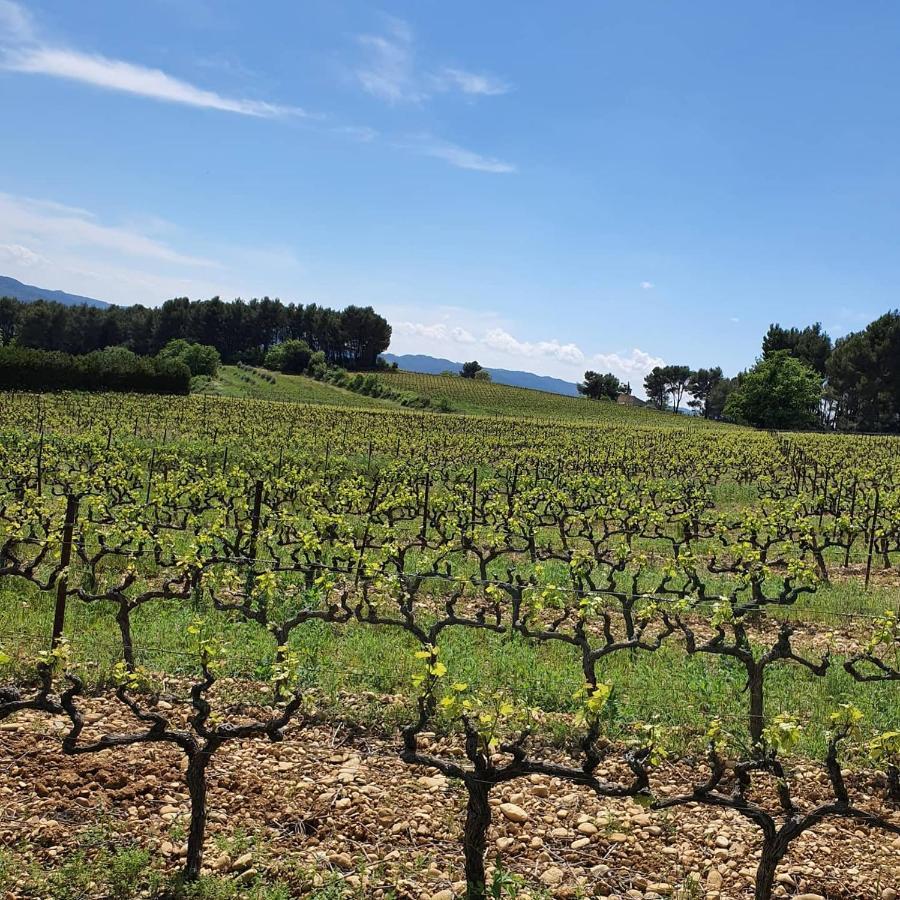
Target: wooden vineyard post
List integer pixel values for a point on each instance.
(365, 538)
(423, 533)
(254, 533)
(849, 535)
(871, 540)
(150, 474)
(62, 584)
(474, 498)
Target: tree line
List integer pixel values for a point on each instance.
(802, 380)
(111, 369)
(241, 331)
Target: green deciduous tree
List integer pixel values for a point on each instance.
(470, 369)
(292, 357)
(201, 359)
(778, 392)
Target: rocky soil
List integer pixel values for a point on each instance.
(329, 804)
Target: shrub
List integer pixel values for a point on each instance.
(201, 359)
(292, 357)
(112, 369)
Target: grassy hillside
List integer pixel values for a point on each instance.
(461, 395)
(486, 399)
(234, 382)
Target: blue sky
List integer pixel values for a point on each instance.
(554, 187)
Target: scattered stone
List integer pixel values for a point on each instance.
(514, 813)
(552, 876)
(244, 861)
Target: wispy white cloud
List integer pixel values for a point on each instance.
(437, 331)
(470, 82)
(59, 246)
(647, 285)
(125, 77)
(360, 133)
(21, 50)
(390, 70)
(498, 339)
(22, 218)
(17, 254)
(16, 23)
(459, 157)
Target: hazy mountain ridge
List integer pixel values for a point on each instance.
(28, 293)
(433, 365)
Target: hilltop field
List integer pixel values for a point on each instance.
(311, 643)
(443, 392)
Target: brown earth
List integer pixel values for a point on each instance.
(328, 803)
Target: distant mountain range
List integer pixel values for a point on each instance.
(432, 365)
(28, 293)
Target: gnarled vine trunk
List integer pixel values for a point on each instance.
(478, 820)
(197, 789)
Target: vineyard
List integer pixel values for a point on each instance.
(446, 393)
(248, 382)
(469, 395)
(262, 649)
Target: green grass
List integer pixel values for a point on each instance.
(680, 692)
(463, 396)
(234, 382)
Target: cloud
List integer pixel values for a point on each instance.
(390, 72)
(362, 134)
(438, 331)
(17, 254)
(470, 82)
(462, 334)
(493, 338)
(457, 156)
(42, 221)
(136, 261)
(647, 285)
(116, 75)
(498, 339)
(24, 53)
(15, 23)
(634, 365)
